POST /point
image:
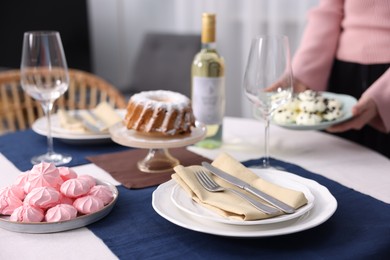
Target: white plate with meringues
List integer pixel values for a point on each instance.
(53, 227)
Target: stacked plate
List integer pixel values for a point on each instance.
(69, 136)
(172, 203)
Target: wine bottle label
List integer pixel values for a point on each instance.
(208, 99)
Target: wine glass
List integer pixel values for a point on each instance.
(44, 76)
(268, 79)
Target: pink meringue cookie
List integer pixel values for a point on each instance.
(61, 212)
(67, 173)
(27, 213)
(65, 200)
(9, 204)
(91, 180)
(22, 178)
(88, 204)
(43, 175)
(75, 188)
(43, 197)
(13, 191)
(103, 192)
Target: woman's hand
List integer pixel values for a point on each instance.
(364, 112)
(299, 86)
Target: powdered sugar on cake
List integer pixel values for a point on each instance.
(160, 112)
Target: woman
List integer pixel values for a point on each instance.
(346, 49)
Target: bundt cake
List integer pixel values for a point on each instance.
(160, 113)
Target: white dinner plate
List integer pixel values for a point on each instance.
(68, 136)
(181, 199)
(347, 101)
(126, 137)
(51, 227)
(324, 207)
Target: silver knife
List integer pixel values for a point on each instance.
(243, 185)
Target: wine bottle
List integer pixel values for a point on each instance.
(208, 85)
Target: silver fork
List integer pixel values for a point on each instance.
(210, 185)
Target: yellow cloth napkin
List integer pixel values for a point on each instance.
(226, 203)
(106, 116)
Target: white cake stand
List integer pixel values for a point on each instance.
(158, 158)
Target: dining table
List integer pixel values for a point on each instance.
(356, 177)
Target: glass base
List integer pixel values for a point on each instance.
(264, 164)
(54, 158)
(158, 161)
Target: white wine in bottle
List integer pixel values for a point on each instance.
(208, 85)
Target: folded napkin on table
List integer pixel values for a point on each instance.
(100, 118)
(226, 203)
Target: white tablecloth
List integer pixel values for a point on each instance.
(349, 164)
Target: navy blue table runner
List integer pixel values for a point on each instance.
(359, 229)
(29, 144)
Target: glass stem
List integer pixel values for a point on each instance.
(266, 163)
(47, 108)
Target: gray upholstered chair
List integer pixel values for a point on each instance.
(164, 62)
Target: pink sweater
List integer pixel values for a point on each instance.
(353, 31)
